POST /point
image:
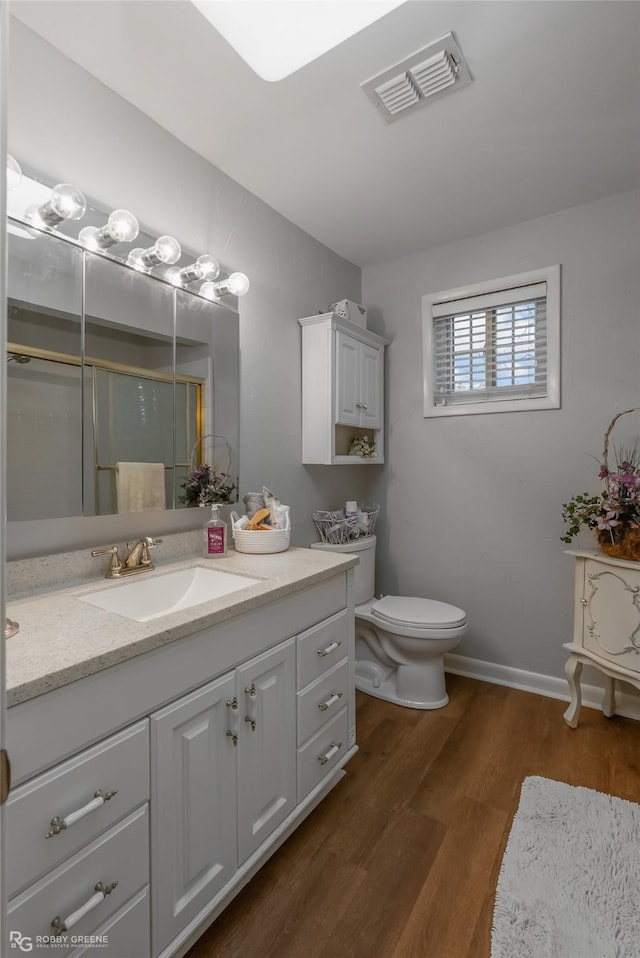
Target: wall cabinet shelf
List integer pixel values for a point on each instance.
(342, 390)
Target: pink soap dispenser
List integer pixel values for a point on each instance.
(215, 535)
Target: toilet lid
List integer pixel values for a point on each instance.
(417, 613)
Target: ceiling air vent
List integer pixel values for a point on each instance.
(427, 74)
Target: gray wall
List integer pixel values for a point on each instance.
(473, 503)
(66, 124)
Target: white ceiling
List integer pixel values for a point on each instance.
(552, 119)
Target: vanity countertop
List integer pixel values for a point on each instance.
(62, 639)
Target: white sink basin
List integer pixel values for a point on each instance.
(149, 598)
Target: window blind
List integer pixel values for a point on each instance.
(491, 347)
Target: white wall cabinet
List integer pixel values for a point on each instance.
(342, 389)
(220, 744)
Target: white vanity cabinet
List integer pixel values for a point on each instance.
(224, 777)
(342, 389)
(606, 627)
(216, 746)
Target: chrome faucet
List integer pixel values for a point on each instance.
(136, 560)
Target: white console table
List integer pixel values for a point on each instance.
(606, 627)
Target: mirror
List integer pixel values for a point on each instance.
(108, 368)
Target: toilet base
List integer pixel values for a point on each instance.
(387, 690)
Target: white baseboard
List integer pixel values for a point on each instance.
(627, 703)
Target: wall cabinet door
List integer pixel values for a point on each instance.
(358, 383)
(347, 380)
(267, 745)
(194, 813)
(371, 360)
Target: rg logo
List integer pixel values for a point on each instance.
(18, 940)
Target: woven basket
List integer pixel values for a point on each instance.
(623, 541)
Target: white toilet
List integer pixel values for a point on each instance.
(400, 640)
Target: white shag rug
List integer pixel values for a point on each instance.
(569, 885)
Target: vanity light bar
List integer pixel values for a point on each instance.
(33, 203)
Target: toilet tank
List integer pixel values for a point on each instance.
(365, 571)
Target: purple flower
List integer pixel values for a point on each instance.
(608, 521)
(604, 472)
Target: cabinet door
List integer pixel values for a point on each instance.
(267, 745)
(371, 387)
(194, 821)
(347, 380)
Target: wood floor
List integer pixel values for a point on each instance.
(402, 858)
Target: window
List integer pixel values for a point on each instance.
(493, 347)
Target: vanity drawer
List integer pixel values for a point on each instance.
(321, 753)
(321, 647)
(120, 855)
(321, 700)
(127, 934)
(120, 762)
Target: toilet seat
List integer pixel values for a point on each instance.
(416, 613)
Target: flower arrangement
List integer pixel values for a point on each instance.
(613, 514)
(363, 446)
(205, 484)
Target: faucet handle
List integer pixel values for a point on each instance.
(115, 564)
(148, 543)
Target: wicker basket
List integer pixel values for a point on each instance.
(623, 541)
(261, 541)
(335, 529)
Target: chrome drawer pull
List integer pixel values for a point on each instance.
(101, 892)
(334, 697)
(323, 759)
(330, 648)
(99, 798)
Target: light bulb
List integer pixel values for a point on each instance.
(205, 267)
(208, 290)
(238, 284)
(135, 258)
(173, 276)
(121, 227)
(65, 203)
(166, 249)
(14, 173)
(88, 236)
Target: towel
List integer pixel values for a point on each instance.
(140, 486)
